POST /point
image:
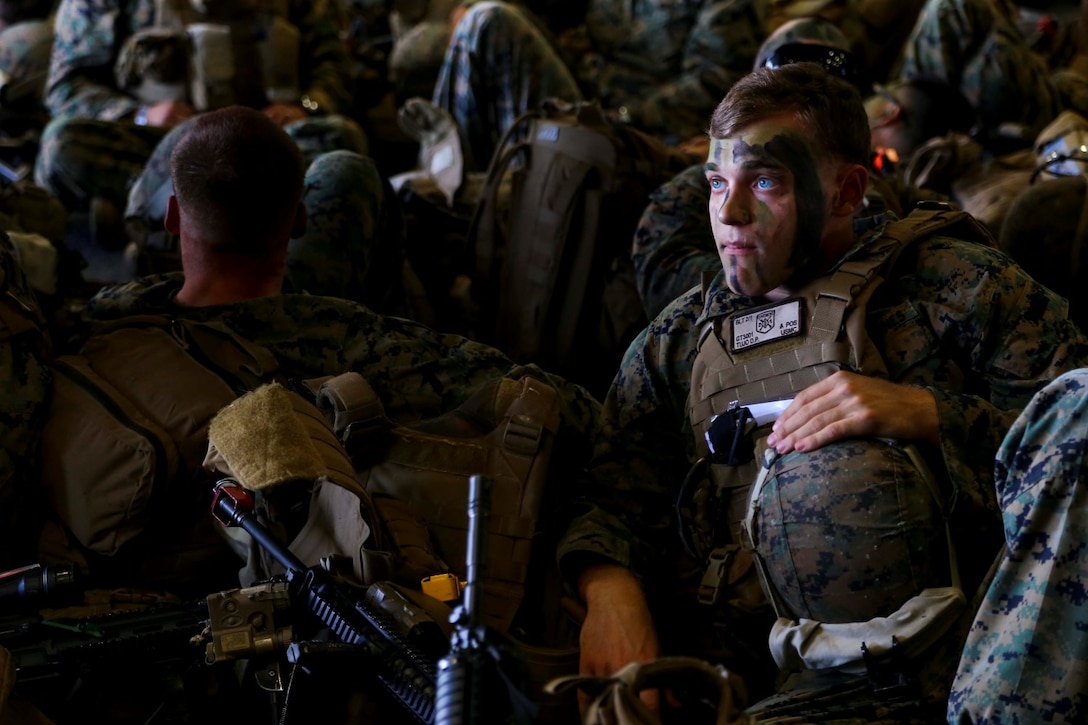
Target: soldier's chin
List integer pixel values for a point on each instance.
(748, 288)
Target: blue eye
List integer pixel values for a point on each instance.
(764, 183)
(716, 184)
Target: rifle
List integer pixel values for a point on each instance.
(461, 672)
(403, 669)
(65, 665)
(476, 680)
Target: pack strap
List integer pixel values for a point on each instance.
(483, 229)
(212, 344)
(349, 404)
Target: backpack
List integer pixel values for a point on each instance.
(24, 377)
(124, 441)
(417, 477)
(552, 269)
(402, 516)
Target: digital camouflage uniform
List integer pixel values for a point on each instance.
(957, 318)
(664, 66)
(975, 46)
(92, 147)
(1024, 658)
(498, 66)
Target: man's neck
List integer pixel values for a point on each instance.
(225, 278)
(207, 290)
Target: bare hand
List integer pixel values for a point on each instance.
(618, 628)
(848, 405)
(167, 114)
(284, 113)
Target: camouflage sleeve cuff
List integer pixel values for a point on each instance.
(594, 535)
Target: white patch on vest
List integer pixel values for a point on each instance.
(549, 132)
(766, 325)
(442, 159)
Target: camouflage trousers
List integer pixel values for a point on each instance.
(82, 158)
(1025, 657)
(498, 66)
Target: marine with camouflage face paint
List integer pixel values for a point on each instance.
(786, 171)
(673, 245)
(767, 206)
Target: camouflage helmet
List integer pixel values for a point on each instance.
(811, 39)
(848, 532)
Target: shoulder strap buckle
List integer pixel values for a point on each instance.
(716, 574)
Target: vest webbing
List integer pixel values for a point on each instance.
(420, 462)
(776, 370)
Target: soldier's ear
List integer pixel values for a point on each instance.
(852, 181)
(172, 222)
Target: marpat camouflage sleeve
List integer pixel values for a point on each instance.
(88, 35)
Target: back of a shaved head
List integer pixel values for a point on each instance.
(238, 178)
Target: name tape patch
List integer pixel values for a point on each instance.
(766, 325)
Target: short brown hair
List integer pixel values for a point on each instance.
(240, 176)
(829, 107)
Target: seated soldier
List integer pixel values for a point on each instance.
(814, 421)
(673, 246)
(340, 253)
(238, 181)
(124, 72)
(976, 46)
(659, 66)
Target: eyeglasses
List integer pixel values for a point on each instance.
(836, 61)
